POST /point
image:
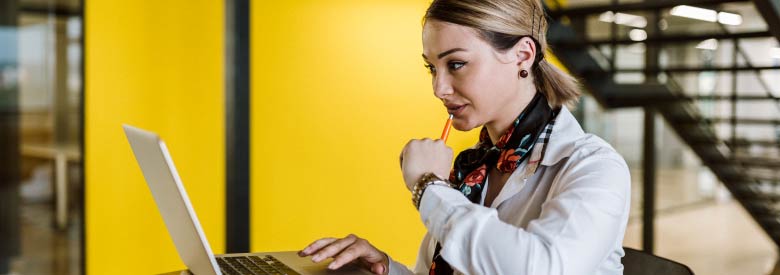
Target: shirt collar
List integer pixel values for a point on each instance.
(566, 131)
(550, 149)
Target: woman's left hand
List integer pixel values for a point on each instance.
(421, 156)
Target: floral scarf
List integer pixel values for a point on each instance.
(469, 172)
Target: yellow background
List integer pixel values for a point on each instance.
(338, 88)
(157, 65)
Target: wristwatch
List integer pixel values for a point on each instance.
(426, 180)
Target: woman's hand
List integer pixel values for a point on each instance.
(421, 156)
(346, 250)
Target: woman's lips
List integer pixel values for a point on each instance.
(455, 110)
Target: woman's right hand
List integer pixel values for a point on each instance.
(346, 250)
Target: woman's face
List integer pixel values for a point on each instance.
(475, 82)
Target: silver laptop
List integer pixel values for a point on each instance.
(184, 228)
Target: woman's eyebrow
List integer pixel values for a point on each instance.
(445, 53)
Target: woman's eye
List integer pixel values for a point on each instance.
(431, 68)
(456, 65)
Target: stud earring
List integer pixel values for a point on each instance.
(523, 73)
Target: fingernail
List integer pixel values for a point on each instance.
(332, 266)
(316, 258)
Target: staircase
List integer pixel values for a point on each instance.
(752, 179)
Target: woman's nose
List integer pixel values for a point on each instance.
(442, 86)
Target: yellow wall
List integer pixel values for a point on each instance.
(338, 87)
(157, 65)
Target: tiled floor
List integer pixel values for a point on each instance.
(711, 238)
(44, 249)
(700, 225)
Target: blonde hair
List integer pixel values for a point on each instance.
(502, 23)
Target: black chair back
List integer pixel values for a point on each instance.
(636, 262)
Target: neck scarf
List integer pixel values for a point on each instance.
(469, 172)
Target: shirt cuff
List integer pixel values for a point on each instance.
(396, 268)
(436, 206)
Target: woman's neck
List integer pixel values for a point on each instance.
(508, 114)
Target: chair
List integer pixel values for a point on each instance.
(636, 262)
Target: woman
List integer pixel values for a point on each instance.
(535, 195)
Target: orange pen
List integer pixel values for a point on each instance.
(446, 132)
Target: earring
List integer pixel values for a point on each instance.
(523, 73)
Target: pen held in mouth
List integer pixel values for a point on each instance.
(446, 132)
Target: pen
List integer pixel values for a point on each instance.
(446, 132)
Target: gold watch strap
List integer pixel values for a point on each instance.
(426, 180)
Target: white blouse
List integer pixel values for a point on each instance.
(567, 217)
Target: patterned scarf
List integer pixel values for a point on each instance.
(469, 172)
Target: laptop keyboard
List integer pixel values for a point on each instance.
(254, 265)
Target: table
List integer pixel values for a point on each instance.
(61, 155)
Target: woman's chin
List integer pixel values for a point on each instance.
(463, 126)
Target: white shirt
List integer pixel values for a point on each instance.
(569, 217)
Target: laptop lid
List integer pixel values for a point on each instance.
(172, 200)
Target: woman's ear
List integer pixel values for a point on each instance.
(525, 49)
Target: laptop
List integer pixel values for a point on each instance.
(185, 230)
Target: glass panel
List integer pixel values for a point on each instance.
(40, 137)
(680, 177)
